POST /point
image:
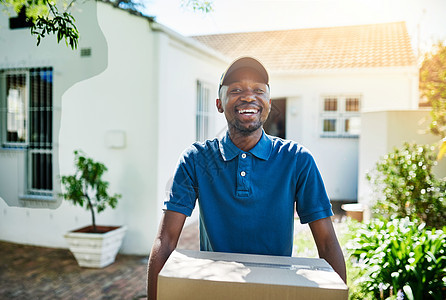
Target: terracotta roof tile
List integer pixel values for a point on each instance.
(361, 46)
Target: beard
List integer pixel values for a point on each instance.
(244, 129)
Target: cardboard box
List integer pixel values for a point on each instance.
(214, 275)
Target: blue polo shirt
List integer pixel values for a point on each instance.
(247, 199)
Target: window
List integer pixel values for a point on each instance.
(28, 114)
(329, 125)
(204, 116)
(340, 116)
(331, 104)
(16, 107)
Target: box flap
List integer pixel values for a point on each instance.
(256, 269)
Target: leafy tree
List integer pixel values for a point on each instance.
(433, 88)
(54, 17)
(46, 19)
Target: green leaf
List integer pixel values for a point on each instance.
(408, 292)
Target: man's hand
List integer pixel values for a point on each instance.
(165, 242)
(328, 245)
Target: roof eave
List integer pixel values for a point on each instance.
(189, 42)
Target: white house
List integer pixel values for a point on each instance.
(135, 94)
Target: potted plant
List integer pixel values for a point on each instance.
(92, 246)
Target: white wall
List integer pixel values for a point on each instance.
(122, 101)
(20, 221)
(337, 158)
(180, 68)
(18, 50)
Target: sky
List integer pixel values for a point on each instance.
(425, 19)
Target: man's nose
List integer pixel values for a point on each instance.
(248, 96)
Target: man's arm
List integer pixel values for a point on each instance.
(328, 245)
(165, 242)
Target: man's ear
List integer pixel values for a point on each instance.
(219, 105)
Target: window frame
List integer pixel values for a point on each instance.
(204, 118)
(30, 190)
(340, 115)
(4, 106)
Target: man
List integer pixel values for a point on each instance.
(247, 183)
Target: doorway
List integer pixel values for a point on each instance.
(276, 122)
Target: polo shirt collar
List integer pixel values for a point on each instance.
(261, 150)
(263, 147)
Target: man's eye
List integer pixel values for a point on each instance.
(235, 91)
(259, 91)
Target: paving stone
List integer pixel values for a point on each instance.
(29, 272)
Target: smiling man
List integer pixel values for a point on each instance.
(247, 183)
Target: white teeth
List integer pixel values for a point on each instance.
(244, 111)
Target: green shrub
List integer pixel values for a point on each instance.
(86, 187)
(406, 186)
(399, 255)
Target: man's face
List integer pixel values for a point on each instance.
(247, 102)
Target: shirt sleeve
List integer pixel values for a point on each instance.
(312, 202)
(183, 193)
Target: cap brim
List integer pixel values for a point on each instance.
(245, 62)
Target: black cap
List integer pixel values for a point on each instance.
(244, 62)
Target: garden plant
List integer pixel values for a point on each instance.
(86, 187)
(401, 254)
